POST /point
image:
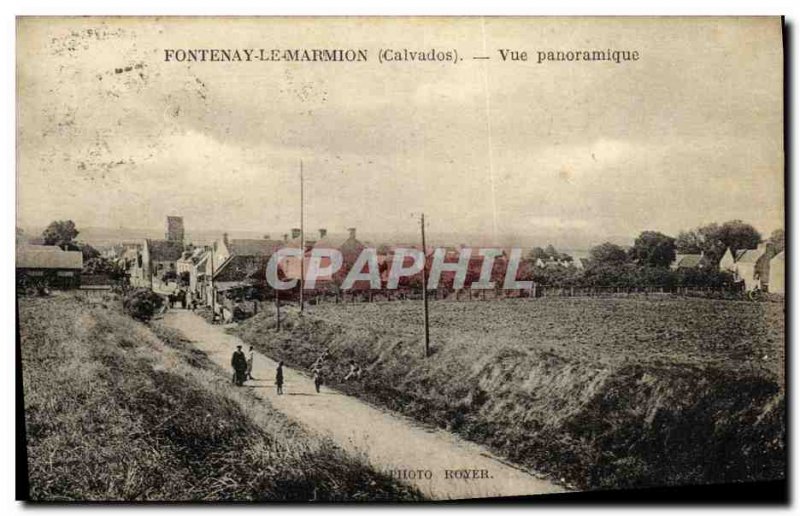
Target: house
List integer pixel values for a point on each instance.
(156, 262)
(687, 261)
(237, 264)
(728, 261)
(751, 267)
(777, 273)
(581, 263)
(191, 264)
(552, 263)
(350, 249)
(48, 265)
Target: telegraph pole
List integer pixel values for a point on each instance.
(425, 287)
(213, 295)
(302, 241)
(277, 311)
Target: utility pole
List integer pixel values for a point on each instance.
(213, 296)
(277, 311)
(302, 242)
(425, 287)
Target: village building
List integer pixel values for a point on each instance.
(728, 261)
(688, 261)
(777, 274)
(239, 266)
(156, 262)
(750, 266)
(553, 263)
(190, 267)
(48, 266)
(581, 263)
(350, 248)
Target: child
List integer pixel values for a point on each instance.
(279, 377)
(249, 372)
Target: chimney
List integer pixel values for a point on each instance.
(295, 233)
(352, 232)
(225, 238)
(286, 237)
(322, 233)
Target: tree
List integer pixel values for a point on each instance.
(61, 233)
(608, 254)
(88, 252)
(654, 249)
(738, 235)
(713, 239)
(778, 240)
(142, 304)
(537, 253)
(689, 242)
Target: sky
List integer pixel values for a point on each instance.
(576, 152)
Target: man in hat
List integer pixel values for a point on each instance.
(239, 363)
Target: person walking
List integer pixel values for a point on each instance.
(279, 377)
(317, 377)
(239, 363)
(250, 356)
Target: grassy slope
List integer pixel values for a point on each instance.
(115, 413)
(603, 393)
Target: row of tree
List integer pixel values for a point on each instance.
(655, 249)
(647, 262)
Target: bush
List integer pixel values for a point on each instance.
(142, 303)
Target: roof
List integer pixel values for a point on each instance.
(241, 267)
(740, 253)
(749, 256)
(687, 261)
(164, 250)
(327, 243)
(253, 246)
(37, 259)
(194, 256)
(37, 247)
(222, 286)
(780, 256)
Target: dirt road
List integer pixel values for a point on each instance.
(441, 465)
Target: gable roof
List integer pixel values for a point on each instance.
(241, 267)
(749, 255)
(38, 259)
(327, 243)
(39, 247)
(164, 250)
(687, 261)
(253, 246)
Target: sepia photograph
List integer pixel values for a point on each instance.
(399, 259)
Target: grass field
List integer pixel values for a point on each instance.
(601, 392)
(116, 410)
